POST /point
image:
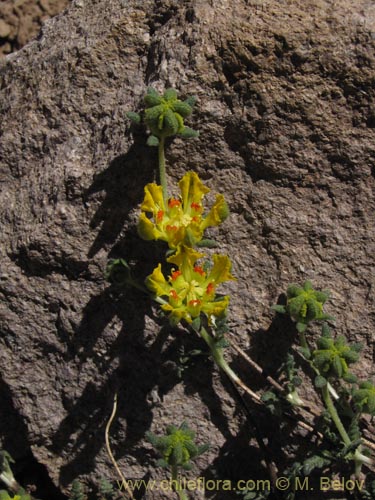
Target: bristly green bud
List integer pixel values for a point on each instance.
(177, 447)
(165, 114)
(77, 491)
(304, 304)
(333, 357)
(364, 398)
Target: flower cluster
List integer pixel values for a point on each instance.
(190, 289)
(179, 220)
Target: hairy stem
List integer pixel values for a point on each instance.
(217, 354)
(181, 493)
(335, 416)
(303, 341)
(305, 345)
(359, 458)
(162, 170)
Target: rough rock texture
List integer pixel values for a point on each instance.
(286, 115)
(20, 20)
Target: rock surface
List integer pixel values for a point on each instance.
(20, 20)
(286, 117)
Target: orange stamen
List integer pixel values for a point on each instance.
(175, 275)
(159, 216)
(210, 288)
(174, 203)
(194, 302)
(171, 228)
(173, 294)
(199, 270)
(196, 206)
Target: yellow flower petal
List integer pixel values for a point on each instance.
(216, 308)
(146, 229)
(221, 269)
(185, 258)
(157, 283)
(153, 200)
(176, 314)
(218, 213)
(192, 189)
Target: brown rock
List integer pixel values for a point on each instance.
(5, 29)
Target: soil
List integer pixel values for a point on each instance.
(21, 20)
(285, 109)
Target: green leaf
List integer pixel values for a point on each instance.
(307, 286)
(152, 98)
(351, 356)
(222, 343)
(118, 272)
(188, 133)
(293, 291)
(152, 115)
(350, 378)
(202, 449)
(278, 308)
(364, 398)
(162, 463)
(206, 243)
(305, 351)
(170, 123)
(322, 358)
(191, 101)
(170, 94)
(301, 327)
(320, 382)
(182, 108)
(324, 343)
(337, 366)
(314, 462)
(313, 309)
(153, 141)
(196, 324)
(134, 117)
(295, 305)
(326, 332)
(321, 297)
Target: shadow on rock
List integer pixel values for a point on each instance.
(123, 184)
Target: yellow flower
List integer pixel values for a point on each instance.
(190, 290)
(180, 220)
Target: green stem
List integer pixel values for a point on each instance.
(217, 354)
(303, 341)
(9, 481)
(181, 493)
(162, 170)
(335, 416)
(305, 345)
(359, 458)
